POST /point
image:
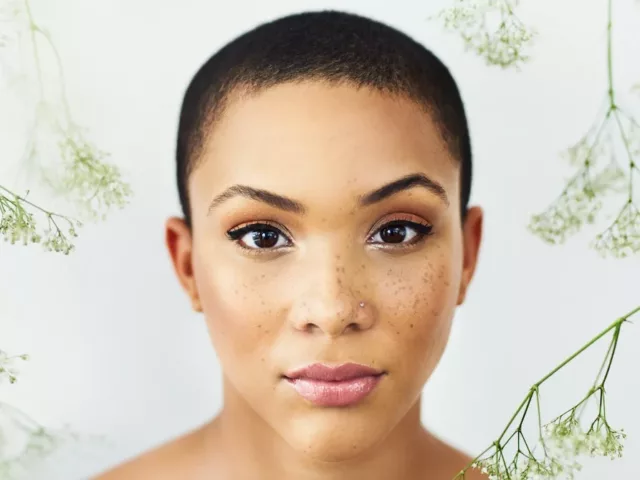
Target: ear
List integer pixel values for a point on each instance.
(180, 245)
(471, 239)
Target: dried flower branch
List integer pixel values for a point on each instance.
(563, 439)
(582, 198)
(491, 29)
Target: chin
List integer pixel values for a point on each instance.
(335, 435)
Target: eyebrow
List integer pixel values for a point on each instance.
(289, 205)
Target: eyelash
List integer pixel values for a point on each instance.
(423, 230)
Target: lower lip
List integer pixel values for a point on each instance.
(335, 394)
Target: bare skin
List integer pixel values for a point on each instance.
(333, 282)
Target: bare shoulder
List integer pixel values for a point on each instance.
(175, 459)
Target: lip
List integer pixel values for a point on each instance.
(334, 386)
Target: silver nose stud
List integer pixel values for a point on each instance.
(361, 304)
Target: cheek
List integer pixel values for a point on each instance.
(417, 302)
(241, 318)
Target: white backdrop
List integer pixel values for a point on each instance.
(116, 350)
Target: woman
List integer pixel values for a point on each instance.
(324, 170)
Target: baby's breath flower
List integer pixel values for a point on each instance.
(563, 440)
(576, 205)
(18, 224)
(8, 369)
(491, 29)
(581, 199)
(622, 237)
(93, 184)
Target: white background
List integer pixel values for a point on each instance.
(116, 350)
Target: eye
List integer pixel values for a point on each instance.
(401, 232)
(259, 236)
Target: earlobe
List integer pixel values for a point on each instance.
(179, 243)
(471, 241)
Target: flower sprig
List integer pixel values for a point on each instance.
(581, 200)
(80, 173)
(8, 369)
(563, 439)
(491, 29)
(18, 224)
(93, 184)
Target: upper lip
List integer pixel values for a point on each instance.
(328, 373)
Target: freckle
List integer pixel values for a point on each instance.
(411, 325)
(262, 359)
(362, 266)
(263, 275)
(398, 333)
(259, 325)
(266, 331)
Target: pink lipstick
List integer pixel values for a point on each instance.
(338, 386)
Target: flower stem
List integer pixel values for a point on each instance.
(609, 53)
(536, 386)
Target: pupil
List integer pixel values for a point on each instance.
(393, 234)
(265, 238)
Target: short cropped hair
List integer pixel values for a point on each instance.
(327, 46)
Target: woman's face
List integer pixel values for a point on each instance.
(330, 274)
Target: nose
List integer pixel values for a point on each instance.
(330, 305)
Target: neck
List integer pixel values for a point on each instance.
(244, 446)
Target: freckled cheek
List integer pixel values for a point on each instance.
(415, 302)
(241, 315)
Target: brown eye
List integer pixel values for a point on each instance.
(259, 236)
(400, 232)
(265, 238)
(393, 234)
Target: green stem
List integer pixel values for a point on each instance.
(535, 387)
(609, 53)
(32, 28)
(616, 335)
(615, 324)
(24, 200)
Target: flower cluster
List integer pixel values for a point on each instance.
(93, 184)
(567, 437)
(582, 197)
(18, 224)
(622, 237)
(563, 440)
(8, 369)
(491, 29)
(79, 173)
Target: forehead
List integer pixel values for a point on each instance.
(309, 138)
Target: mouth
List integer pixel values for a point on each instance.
(338, 386)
